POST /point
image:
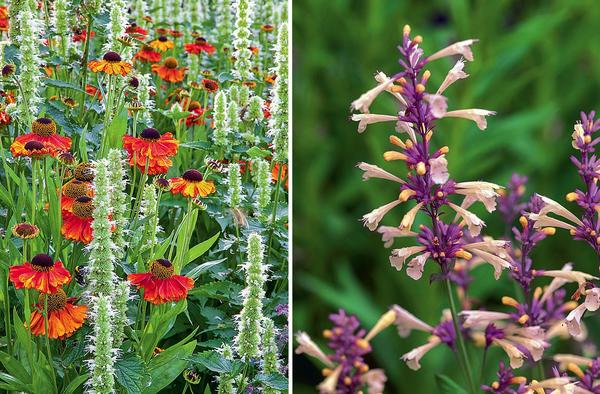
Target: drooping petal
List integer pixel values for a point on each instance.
(307, 346)
(406, 321)
(475, 114)
(458, 48)
(373, 171)
(399, 256)
(413, 357)
(366, 119)
(417, 265)
(453, 75)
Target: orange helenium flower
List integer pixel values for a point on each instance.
(64, 318)
(160, 284)
(73, 190)
(151, 149)
(198, 46)
(43, 140)
(42, 274)
(162, 43)
(210, 85)
(168, 71)
(77, 224)
(148, 54)
(111, 64)
(192, 184)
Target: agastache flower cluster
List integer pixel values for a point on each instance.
(427, 182)
(346, 370)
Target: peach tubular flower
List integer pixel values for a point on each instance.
(371, 220)
(474, 224)
(475, 318)
(307, 346)
(373, 171)
(111, 64)
(458, 48)
(160, 284)
(44, 134)
(453, 75)
(406, 322)
(438, 168)
(363, 103)
(151, 149)
(388, 234)
(64, 317)
(42, 274)
(328, 386)
(475, 114)
(514, 354)
(479, 191)
(192, 184)
(169, 71)
(413, 358)
(366, 119)
(398, 256)
(375, 380)
(591, 303)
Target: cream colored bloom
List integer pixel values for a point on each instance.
(480, 191)
(497, 262)
(366, 119)
(406, 322)
(453, 75)
(375, 380)
(363, 103)
(371, 220)
(386, 320)
(573, 320)
(570, 276)
(534, 346)
(458, 48)
(399, 256)
(373, 171)
(578, 135)
(307, 346)
(564, 359)
(551, 206)
(329, 385)
(409, 218)
(475, 114)
(382, 78)
(417, 265)
(474, 224)
(475, 318)
(514, 354)
(413, 357)
(438, 104)
(388, 233)
(438, 169)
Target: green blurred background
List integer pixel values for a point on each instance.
(537, 64)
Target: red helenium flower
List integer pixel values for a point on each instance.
(160, 284)
(42, 273)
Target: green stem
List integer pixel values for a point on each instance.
(461, 348)
(274, 212)
(7, 325)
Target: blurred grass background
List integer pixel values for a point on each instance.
(537, 64)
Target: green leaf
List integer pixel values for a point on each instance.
(201, 248)
(75, 383)
(448, 386)
(255, 152)
(195, 273)
(117, 129)
(14, 367)
(215, 362)
(131, 373)
(168, 365)
(61, 84)
(273, 380)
